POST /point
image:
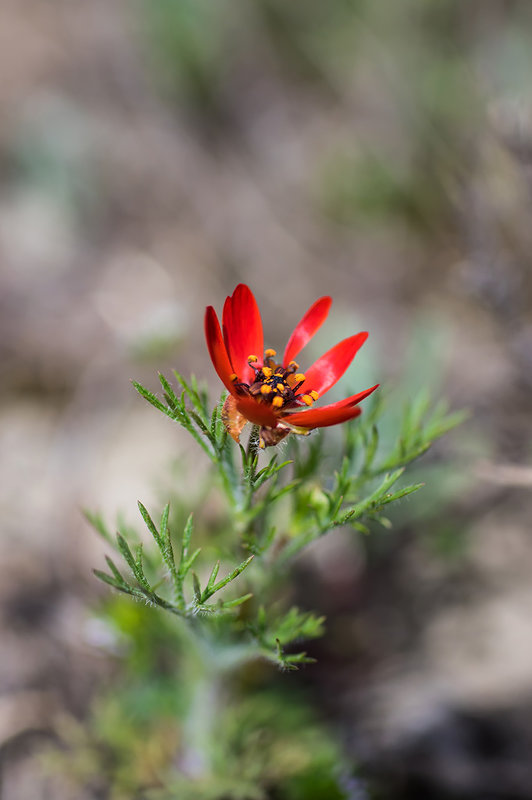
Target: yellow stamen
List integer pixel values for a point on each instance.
(261, 443)
(280, 387)
(293, 365)
(307, 399)
(269, 353)
(267, 372)
(314, 394)
(300, 377)
(265, 389)
(252, 359)
(277, 402)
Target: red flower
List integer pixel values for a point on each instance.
(268, 393)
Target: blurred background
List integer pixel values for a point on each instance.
(155, 153)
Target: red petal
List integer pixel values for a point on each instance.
(258, 413)
(242, 327)
(306, 328)
(354, 400)
(331, 366)
(217, 350)
(333, 412)
(322, 417)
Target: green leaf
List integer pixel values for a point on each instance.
(439, 426)
(237, 602)
(97, 522)
(150, 524)
(135, 564)
(110, 581)
(163, 525)
(114, 569)
(372, 501)
(188, 563)
(197, 588)
(391, 498)
(151, 398)
(213, 576)
(192, 390)
(126, 552)
(201, 425)
(210, 590)
(371, 448)
(187, 534)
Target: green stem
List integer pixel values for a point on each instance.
(201, 676)
(227, 484)
(208, 667)
(253, 443)
(199, 726)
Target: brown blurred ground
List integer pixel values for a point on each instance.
(380, 155)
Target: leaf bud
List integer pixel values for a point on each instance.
(318, 500)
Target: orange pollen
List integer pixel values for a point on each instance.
(233, 376)
(275, 384)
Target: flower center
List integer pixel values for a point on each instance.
(276, 385)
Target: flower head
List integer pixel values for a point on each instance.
(268, 391)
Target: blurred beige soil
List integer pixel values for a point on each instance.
(125, 209)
